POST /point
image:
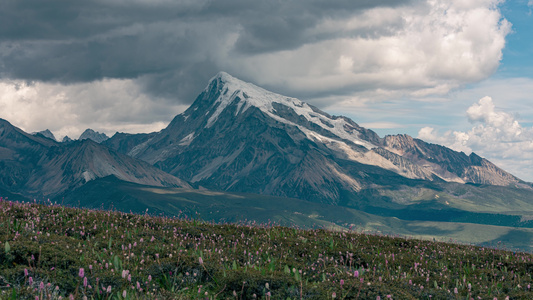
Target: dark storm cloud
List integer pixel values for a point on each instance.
(287, 23)
(170, 46)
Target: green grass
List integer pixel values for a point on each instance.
(221, 207)
(43, 249)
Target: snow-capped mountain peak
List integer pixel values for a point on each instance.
(281, 108)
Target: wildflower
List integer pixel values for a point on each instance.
(82, 273)
(25, 272)
(109, 289)
(342, 282)
(84, 281)
(334, 295)
(356, 274)
(455, 290)
(41, 286)
(124, 294)
(201, 260)
(267, 286)
(30, 280)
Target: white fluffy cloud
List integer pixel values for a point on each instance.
(496, 135)
(107, 106)
(425, 48)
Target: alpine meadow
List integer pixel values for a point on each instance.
(288, 150)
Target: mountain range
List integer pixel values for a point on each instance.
(239, 140)
(37, 166)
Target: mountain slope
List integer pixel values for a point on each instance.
(46, 133)
(93, 135)
(239, 137)
(448, 164)
(36, 166)
(221, 207)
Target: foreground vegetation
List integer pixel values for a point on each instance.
(54, 252)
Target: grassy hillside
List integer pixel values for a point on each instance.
(434, 220)
(50, 251)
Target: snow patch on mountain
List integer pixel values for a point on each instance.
(186, 141)
(88, 176)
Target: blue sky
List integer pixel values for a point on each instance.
(518, 54)
(457, 73)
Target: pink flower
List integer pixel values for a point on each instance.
(356, 274)
(85, 281)
(342, 282)
(334, 295)
(201, 260)
(82, 273)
